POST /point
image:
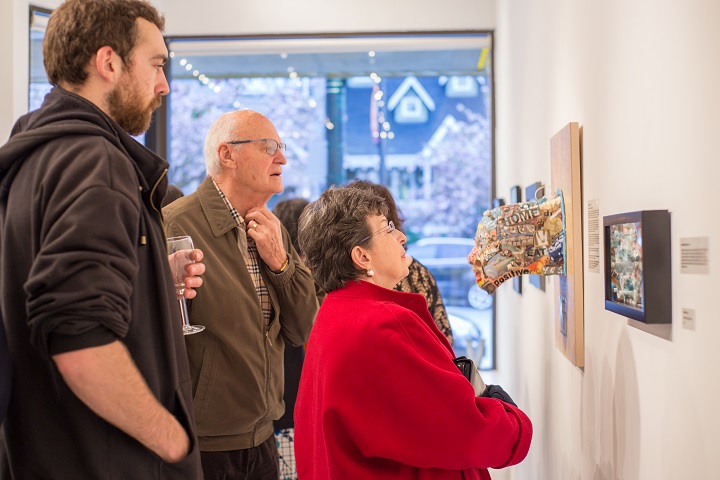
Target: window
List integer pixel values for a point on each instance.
(38, 82)
(411, 111)
(38, 85)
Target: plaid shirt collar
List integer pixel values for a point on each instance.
(249, 251)
(236, 216)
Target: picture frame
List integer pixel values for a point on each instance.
(638, 269)
(565, 163)
(498, 202)
(516, 197)
(531, 192)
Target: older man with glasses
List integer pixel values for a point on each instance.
(258, 295)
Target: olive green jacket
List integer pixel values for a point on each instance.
(236, 363)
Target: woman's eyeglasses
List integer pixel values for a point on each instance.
(390, 227)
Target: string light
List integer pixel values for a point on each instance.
(385, 133)
(202, 78)
(215, 87)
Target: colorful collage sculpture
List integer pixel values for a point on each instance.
(520, 239)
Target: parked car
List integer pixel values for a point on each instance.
(446, 258)
(472, 335)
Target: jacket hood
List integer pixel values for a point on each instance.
(63, 114)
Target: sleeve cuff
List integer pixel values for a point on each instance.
(59, 343)
(284, 276)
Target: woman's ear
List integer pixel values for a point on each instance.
(361, 258)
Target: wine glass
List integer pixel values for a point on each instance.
(179, 250)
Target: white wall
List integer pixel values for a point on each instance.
(642, 78)
(221, 17)
(14, 51)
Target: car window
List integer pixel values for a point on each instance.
(448, 251)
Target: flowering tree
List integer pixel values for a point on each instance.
(295, 106)
(461, 169)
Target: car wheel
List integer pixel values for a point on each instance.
(479, 298)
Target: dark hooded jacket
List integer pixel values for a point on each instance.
(83, 263)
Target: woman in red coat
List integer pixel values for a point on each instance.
(380, 397)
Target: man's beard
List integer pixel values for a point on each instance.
(128, 109)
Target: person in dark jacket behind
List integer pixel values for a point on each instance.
(172, 194)
(101, 383)
(288, 212)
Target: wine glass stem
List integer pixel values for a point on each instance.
(183, 311)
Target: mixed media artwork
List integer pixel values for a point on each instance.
(637, 265)
(531, 192)
(519, 239)
(626, 264)
(516, 197)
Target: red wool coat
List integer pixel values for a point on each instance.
(380, 398)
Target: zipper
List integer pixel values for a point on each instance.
(152, 203)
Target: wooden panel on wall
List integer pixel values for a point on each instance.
(566, 175)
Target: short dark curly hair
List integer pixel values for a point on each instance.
(288, 212)
(330, 227)
(77, 29)
(394, 213)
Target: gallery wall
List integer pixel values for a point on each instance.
(642, 79)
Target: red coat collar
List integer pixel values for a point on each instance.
(414, 302)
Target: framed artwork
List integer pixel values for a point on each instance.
(532, 192)
(637, 266)
(516, 197)
(565, 175)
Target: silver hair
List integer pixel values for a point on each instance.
(222, 130)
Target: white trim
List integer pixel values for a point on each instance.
(327, 45)
(407, 84)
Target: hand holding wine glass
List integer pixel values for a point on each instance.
(179, 254)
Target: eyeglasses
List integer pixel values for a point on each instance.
(271, 145)
(389, 228)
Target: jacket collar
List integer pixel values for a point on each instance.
(219, 217)
(414, 302)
